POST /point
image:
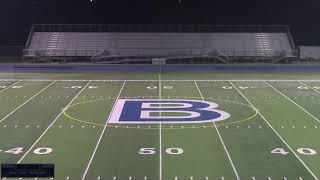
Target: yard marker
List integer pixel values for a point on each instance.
(9, 86)
(26, 102)
(313, 175)
(101, 135)
(309, 87)
(293, 102)
(52, 123)
(220, 137)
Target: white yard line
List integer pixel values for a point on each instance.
(101, 135)
(154, 80)
(160, 133)
(293, 102)
(220, 137)
(26, 102)
(66, 107)
(313, 175)
(309, 86)
(9, 86)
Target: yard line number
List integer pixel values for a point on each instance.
(38, 151)
(303, 151)
(156, 87)
(151, 151)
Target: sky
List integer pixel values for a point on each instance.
(302, 16)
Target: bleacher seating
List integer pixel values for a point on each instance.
(151, 44)
(310, 52)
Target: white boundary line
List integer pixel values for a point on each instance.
(160, 133)
(309, 87)
(26, 102)
(220, 137)
(10, 86)
(275, 89)
(66, 107)
(313, 175)
(168, 80)
(101, 135)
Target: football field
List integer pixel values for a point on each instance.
(161, 129)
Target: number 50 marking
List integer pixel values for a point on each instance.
(170, 151)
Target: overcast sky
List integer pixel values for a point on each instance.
(16, 16)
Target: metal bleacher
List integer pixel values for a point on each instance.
(310, 53)
(116, 43)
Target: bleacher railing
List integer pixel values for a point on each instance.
(157, 28)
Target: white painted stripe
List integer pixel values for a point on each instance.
(52, 123)
(313, 175)
(26, 102)
(220, 137)
(160, 133)
(169, 80)
(9, 86)
(101, 135)
(293, 102)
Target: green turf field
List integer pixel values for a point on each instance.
(272, 133)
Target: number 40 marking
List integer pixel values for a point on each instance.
(38, 151)
(303, 151)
